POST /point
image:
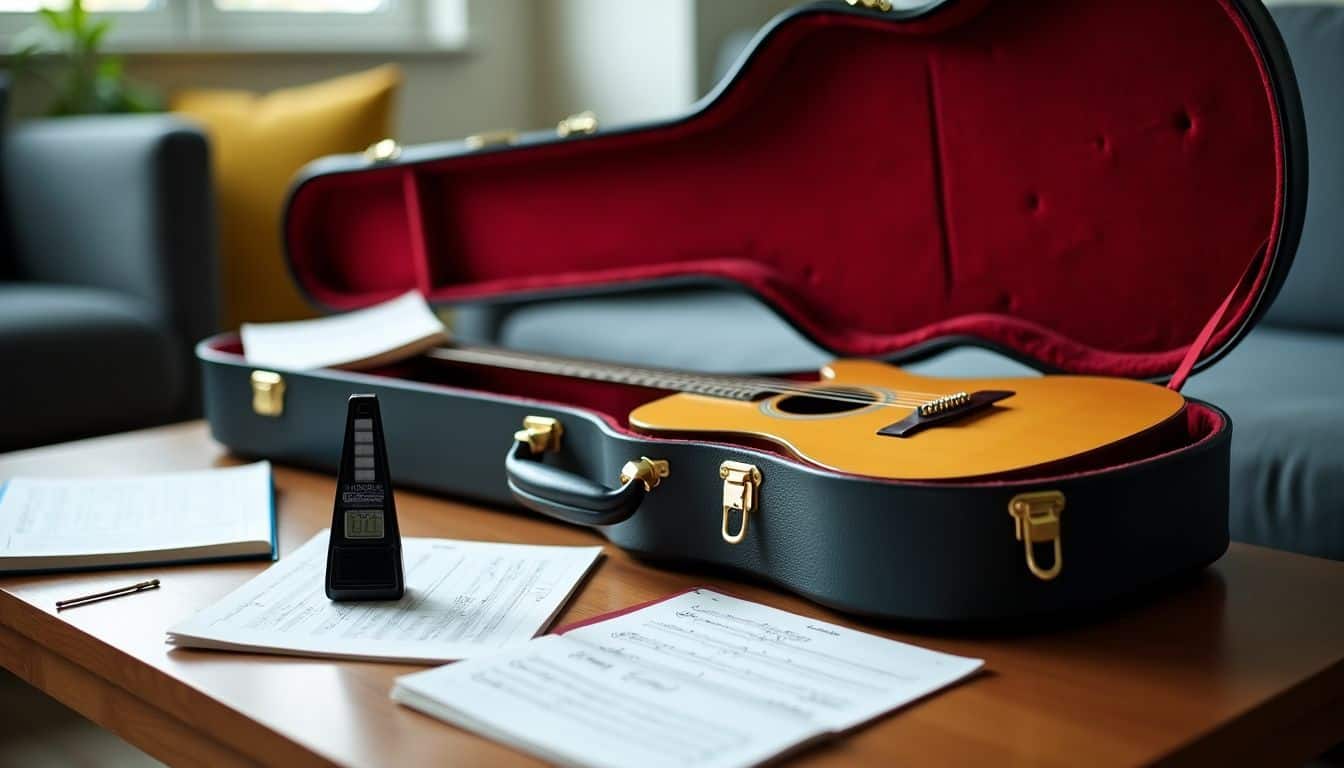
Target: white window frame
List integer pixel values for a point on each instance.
(187, 26)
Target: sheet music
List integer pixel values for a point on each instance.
(364, 338)
(463, 598)
(702, 679)
(72, 517)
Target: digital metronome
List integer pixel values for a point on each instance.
(364, 554)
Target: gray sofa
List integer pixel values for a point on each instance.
(1281, 385)
(107, 275)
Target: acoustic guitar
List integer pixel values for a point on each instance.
(865, 417)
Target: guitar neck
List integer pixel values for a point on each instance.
(728, 387)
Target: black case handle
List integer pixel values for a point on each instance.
(566, 496)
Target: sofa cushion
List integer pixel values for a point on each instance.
(81, 361)
(257, 144)
(1282, 389)
(1310, 296)
(719, 331)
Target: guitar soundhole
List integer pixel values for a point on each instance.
(826, 401)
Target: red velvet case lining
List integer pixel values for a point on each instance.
(1082, 182)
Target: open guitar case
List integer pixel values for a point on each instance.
(1112, 187)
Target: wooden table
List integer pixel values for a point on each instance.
(1243, 665)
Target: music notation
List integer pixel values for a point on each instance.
(700, 679)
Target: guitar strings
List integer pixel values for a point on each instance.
(683, 381)
(673, 379)
(522, 361)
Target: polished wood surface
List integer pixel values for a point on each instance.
(1242, 665)
(1080, 414)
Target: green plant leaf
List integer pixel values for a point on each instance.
(111, 68)
(93, 36)
(78, 16)
(56, 20)
(83, 81)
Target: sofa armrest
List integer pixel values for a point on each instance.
(117, 202)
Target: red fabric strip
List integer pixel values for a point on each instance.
(638, 606)
(1197, 349)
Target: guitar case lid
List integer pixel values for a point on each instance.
(1108, 187)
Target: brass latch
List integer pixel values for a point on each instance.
(490, 139)
(646, 470)
(384, 151)
(872, 5)
(268, 393)
(1036, 521)
(541, 433)
(741, 486)
(583, 123)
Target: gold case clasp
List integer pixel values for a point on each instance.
(268, 393)
(1036, 521)
(541, 433)
(741, 486)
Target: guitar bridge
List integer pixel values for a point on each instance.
(947, 408)
(945, 403)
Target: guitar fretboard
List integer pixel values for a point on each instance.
(729, 387)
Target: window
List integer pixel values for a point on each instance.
(31, 6)
(263, 25)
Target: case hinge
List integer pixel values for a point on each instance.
(541, 433)
(1036, 521)
(490, 139)
(581, 124)
(872, 5)
(384, 151)
(648, 471)
(741, 491)
(268, 393)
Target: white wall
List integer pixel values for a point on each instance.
(635, 60)
(626, 61)
(717, 20)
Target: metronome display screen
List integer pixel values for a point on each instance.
(364, 524)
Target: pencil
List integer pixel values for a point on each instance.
(108, 595)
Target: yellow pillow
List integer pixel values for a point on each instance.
(257, 143)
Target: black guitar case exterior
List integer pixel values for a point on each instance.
(1111, 188)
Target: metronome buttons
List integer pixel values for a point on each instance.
(364, 469)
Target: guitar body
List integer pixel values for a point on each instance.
(1046, 420)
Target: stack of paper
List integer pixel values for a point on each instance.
(463, 598)
(102, 522)
(358, 340)
(702, 679)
